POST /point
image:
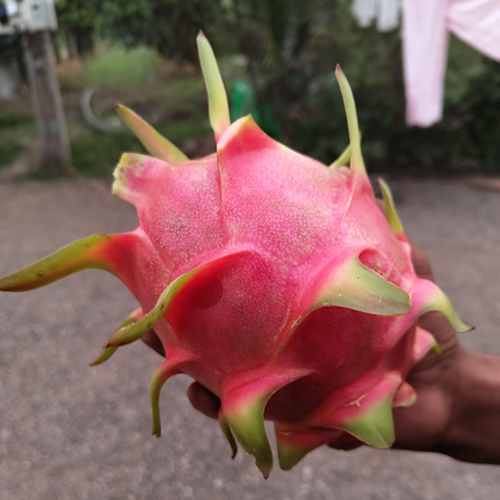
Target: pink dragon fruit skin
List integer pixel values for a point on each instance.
(273, 280)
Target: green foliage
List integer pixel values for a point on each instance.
(14, 128)
(116, 67)
(96, 154)
(472, 100)
(8, 121)
(169, 26)
(9, 151)
(78, 14)
(10, 48)
(78, 19)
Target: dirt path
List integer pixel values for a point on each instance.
(68, 431)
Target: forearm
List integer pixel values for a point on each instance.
(473, 434)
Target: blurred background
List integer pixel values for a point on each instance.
(278, 60)
(71, 432)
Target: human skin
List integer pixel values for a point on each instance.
(457, 412)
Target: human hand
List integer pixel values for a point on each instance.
(424, 425)
(458, 395)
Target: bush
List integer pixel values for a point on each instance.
(118, 68)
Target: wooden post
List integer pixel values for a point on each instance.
(47, 104)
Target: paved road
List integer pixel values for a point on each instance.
(68, 431)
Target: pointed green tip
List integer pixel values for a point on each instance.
(436, 349)
(228, 434)
(375, 427)
(105, 355)
(290, 456)
(156, 145)
(166, 370)
(357, 164)
(438, 301)
(218, 105)
(247, 423)
(343, 159)
(390, 209)
(156, 416)
(109, 351)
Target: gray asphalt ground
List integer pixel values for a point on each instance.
(68, 431)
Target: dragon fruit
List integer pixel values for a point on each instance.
(273, 280)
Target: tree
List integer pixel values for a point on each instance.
(78, 20)
(170, 26)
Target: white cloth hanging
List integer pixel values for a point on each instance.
(385, 12)
(426, 27)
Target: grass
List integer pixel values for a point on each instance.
(9, 120)
(96, 154)
(184, 93)
(9, 151)
(15, 128)
(112, 67)
(118, 68)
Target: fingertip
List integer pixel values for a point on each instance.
(203, 400)
(153, 341)
(421, 262)
(345, 442)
